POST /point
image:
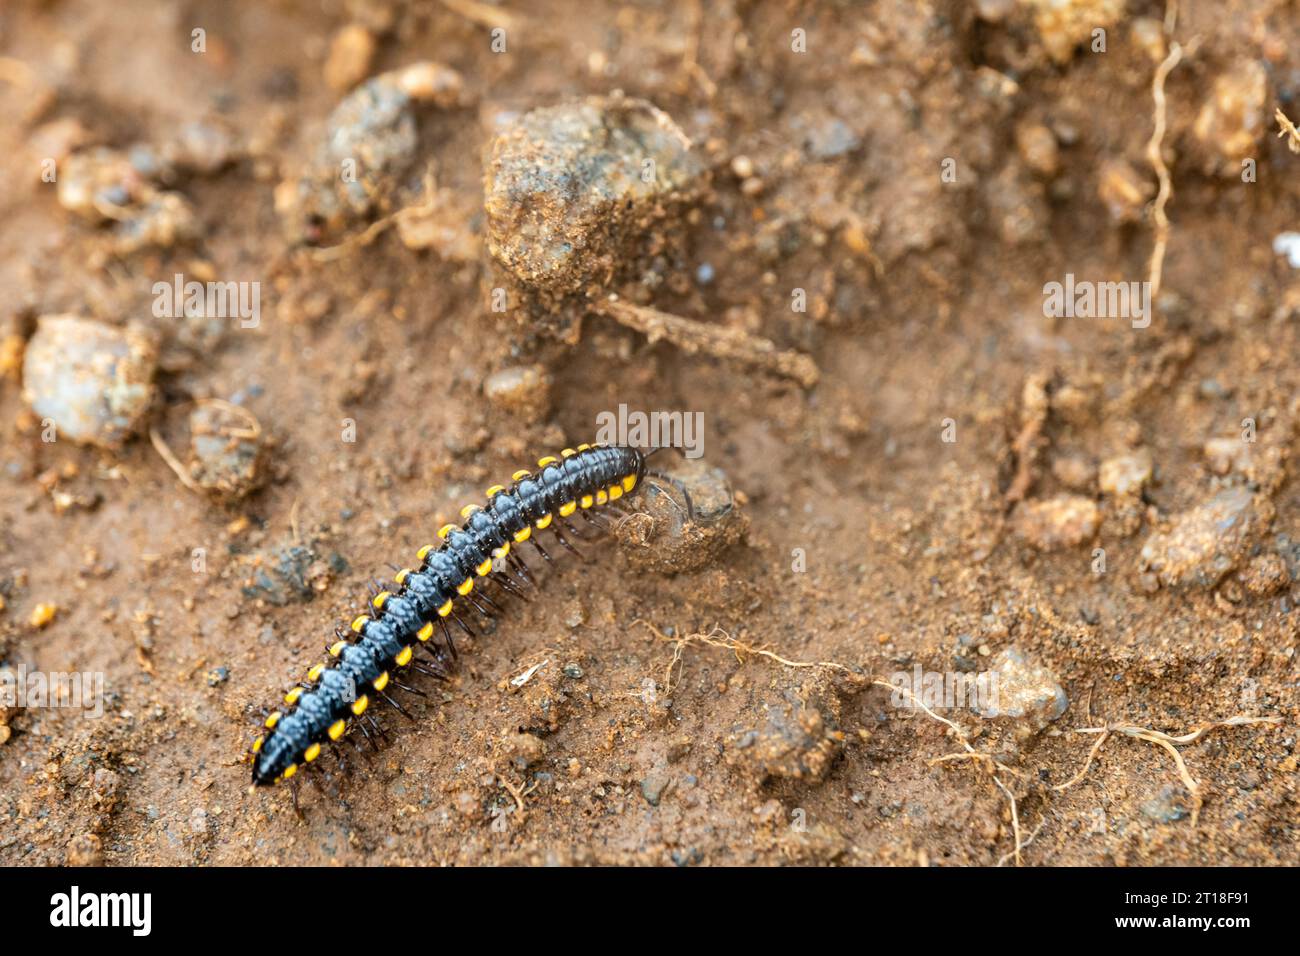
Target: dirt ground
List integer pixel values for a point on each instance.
(1107, 506)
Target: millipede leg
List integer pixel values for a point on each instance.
(507, 584)
(446, 636)
(400, 709)
(463, 626)
(521, 566)
(559, 535)
(538, 545)
(410, 690)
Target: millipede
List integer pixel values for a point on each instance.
(424, 605)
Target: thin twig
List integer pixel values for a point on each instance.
(692, 336)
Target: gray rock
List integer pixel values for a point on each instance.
(93, 381)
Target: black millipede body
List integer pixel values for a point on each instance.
(369, 657)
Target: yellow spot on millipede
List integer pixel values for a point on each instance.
(568, 453)
(544, 522)
(484, 568)
(337, 648)
(615, 492)
(381, 681)
(380, 598)
(495, 490)
(601, 497)
(313, 675)
(583, 447)
(424, 551)
(521, 474)
(337, 728)
(404, 656)
(548, 460)
(311, 753)
(444, 610)
(465, 587)
(360, 704)
(629, 482)
(291, 698)
(425, 632)
(400, 576)
(272, 720)
(587, 501)
(290, 770)
(468, 510)
(446, 530)
(359, 622)
(568, 509)
(523, 534)
(257, 744)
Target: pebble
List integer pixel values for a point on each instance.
(1022, 688)
(1055, 523)
(1064, 25)
(94, 381)
(1124, 191)
(351, 52)
(1233, 119)
(1038, 148)
(520, 390)
(226, 449)
(1224, 455)
(1124, 476)
(566, 186)
(1206, 542)
(1169, 805)
(654, 786)
(42, 615)
(371, 136)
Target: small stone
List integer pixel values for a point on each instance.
(1206, 542)
(1076, 472)
(92, 382)
(1054, 523)
(654, 786)
(1230, 123)
(1038, 148)
(1169, 805)
(1224, 455)
(573, 670)
(1125, 475)
(1266, 574)
(522, 750)
(1065, 25)
(575, 615)
(226, 449)
(1149, 36)
(521, 390)
(42, 615)
(1020, 688)
(218, 676)
(85, 849)
(351, 52)
(1124, 190)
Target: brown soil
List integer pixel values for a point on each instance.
(924, 305)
